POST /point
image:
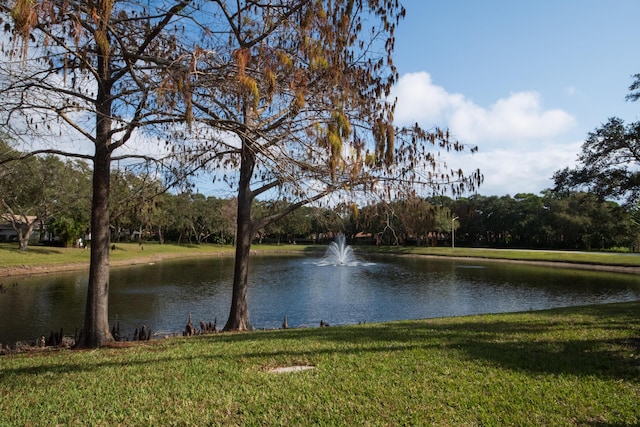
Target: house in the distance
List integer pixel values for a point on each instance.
(9, 234)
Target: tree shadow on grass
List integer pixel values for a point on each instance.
(601, 341)
(38, 250)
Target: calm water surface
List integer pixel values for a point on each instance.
(162, 295)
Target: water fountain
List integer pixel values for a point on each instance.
(339, 253)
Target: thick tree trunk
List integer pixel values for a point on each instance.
(23, 243)
(239, 314)
(96, 323)
(24, 237)
(22, 229)
(239, 319)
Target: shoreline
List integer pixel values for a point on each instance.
(35, 270)
(556, 264)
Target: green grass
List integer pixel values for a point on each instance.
(11, 256)
(577, 366)
(598, 258)
(125, 253)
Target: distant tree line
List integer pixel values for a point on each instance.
(57, 195)
(552, 220)
(555, 220)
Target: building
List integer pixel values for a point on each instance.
(7, 232)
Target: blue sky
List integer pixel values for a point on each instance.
(524, 80)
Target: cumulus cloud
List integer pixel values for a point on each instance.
(419, 100)
(520, 141)
(519, 117)
(519, 171)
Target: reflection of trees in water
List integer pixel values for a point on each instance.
(161, 296)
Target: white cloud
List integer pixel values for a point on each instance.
(519, 117)
(520, 143)
(519, 171)
(419, 100)
(516, 118)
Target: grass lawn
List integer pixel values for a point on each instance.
(598, 258)
(11, 256)
(576, 366)
(126, 253)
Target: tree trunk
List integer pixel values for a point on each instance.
(41, 237)
(239, 313)
(25, 236)
(22, 229)
(96, 322)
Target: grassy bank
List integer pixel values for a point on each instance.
(39, 258)
(577, 366)
(594, 258)
(124, 253)
(11, 256)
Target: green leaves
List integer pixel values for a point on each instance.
(608, 163)
(609, 160)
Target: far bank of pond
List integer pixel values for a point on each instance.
(44, 260)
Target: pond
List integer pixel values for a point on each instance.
(305, 289)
